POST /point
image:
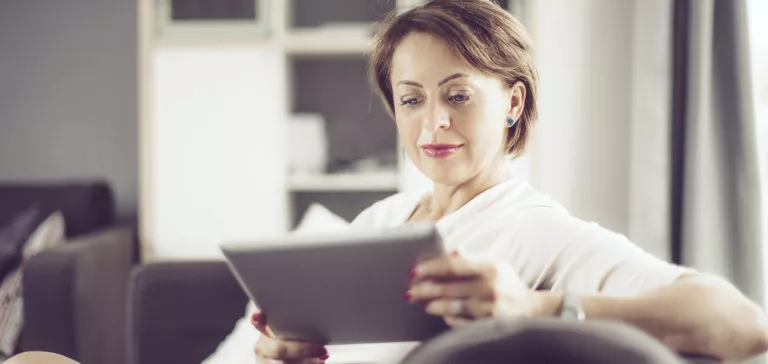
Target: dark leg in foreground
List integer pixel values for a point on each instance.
(531, 341)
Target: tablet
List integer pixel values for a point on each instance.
(342, 288)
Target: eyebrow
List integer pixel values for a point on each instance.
(451, 77)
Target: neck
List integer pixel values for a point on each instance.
(449, 198)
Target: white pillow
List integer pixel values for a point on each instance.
(318, 219)
(50, 233)
(237, 348)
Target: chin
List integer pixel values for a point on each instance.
(446, 174)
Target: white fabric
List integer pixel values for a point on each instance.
(49, 234)
(318, 219)
(548, 248)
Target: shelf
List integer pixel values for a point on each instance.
(326, 43)
(341, 182)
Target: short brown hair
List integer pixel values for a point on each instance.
(485, 35)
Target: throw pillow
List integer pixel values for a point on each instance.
(14, 235)
(318, 219)
(49, 234)
(237, 347)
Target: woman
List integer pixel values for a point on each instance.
(458, 79)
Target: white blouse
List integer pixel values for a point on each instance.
(549, 248)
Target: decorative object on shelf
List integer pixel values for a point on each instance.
(307, 144)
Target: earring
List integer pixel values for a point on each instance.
(510, 122)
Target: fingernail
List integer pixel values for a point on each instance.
(325, 356)
(408, 295)
(256, 317)
(412, 273)
(455, 253)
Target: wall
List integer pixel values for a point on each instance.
(581, 150)
(68, 93)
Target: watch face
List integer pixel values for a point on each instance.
(569, 314)
(572, 308)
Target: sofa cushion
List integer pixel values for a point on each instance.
(86, 206)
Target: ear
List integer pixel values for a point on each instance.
(517, 94)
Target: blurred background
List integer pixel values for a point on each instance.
(216, 120)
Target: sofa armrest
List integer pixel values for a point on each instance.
(75, 297)
(180, 311)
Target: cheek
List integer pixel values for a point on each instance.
(407, 128)
(482, 128)
(471, 124)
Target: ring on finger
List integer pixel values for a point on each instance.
(456, 307)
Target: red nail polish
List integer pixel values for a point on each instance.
(412, 273)
(455, 253)
(408, 295)
(325, 357)
(256, 317)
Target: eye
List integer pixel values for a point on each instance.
(410, 101)
(458, 99)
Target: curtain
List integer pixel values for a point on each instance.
(696, 200)
(715, 185)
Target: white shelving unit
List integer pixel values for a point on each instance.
(273, 35)
(331, 41)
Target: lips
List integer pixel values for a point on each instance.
(439, 151)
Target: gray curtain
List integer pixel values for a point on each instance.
(715, 187)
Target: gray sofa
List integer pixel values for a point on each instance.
(75, 294)
(180, 311)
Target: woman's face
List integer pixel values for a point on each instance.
(450, 117)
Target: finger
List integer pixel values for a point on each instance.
(259, 321)
(430, 290)
(313, 361)
(454, 321)
(470, 308)
(260, 360)
(291, 350)
(300, 361)
(447, 267)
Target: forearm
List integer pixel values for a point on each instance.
(695, 315)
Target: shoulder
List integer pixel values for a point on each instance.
(553, 231)
(556, 224)
(388, 212)
(541, 219)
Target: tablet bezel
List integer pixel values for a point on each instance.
(358, 297)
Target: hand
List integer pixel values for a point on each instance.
(271, 350)
(461, 290)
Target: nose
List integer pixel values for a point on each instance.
(437, 118)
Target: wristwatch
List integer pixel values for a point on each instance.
(571, 309)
